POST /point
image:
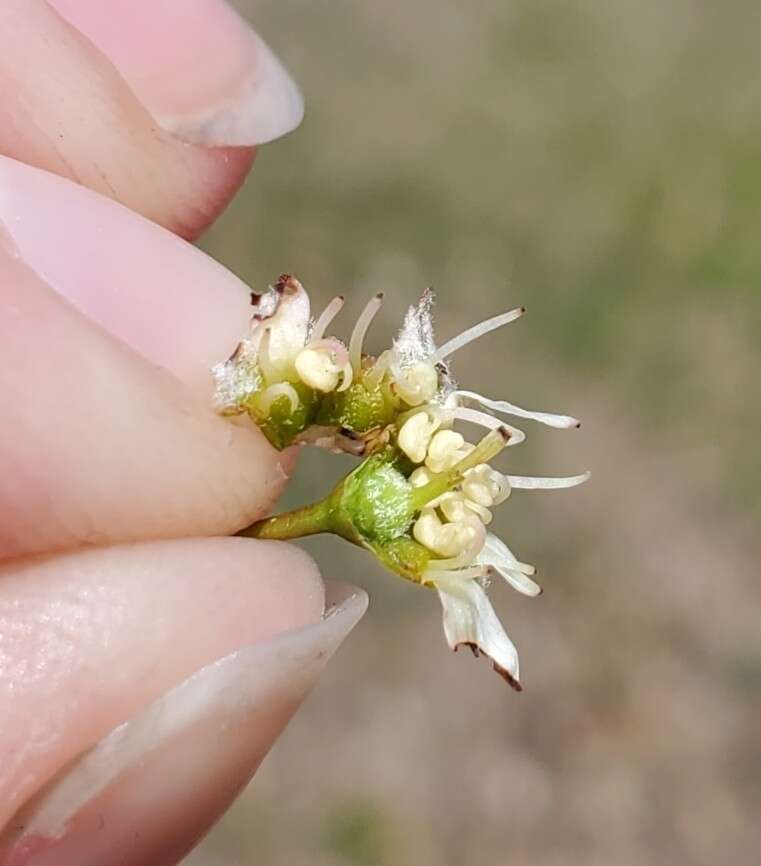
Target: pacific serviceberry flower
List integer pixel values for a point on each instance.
(422, 497)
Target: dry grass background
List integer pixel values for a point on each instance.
(599, 162)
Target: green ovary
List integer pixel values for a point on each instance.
(279, 422)
(358, 408)
(377, 500)
(404, 556)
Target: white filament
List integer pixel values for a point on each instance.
(451, 346)
(283, 389)
(470, 573)
(490, 422)
(561, 422)
(360, 329)
(523, 482)
(326, 317)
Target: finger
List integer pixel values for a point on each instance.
(91, 638)
(167, 300)
(148, 791)
(65, 107)
(201, 71)
(99, 446)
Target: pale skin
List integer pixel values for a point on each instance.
(119, 486)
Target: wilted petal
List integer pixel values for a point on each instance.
(282, 315)
(469, 619)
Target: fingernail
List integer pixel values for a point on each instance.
(166, 299)
(200, 70)
(155, 784)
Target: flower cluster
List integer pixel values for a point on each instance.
(422, 498)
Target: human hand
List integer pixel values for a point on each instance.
(122, 736)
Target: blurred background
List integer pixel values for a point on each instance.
(600, 163)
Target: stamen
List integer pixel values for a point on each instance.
(326, 317)
(523, 482)
(451, 346)
(483, 513)
(486, 450)
(360, 329)
(470, 573)
(465, 559)
(483, 419)
(378, 370)
(561, 422)
(282, 389)
(348, 377)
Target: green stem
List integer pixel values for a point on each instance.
(309, 520)
(486, 450)
(327, 515)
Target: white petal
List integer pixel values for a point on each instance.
(498, 555)
(469, 619)
(282, 317)
(562, 422)
(519, 581)
(523, 482)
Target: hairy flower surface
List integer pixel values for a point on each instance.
(422, 498)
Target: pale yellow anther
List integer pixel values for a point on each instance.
(420, 477)
(454, 507)
(418, 384)
(485, 486)
(317, 368)
(415, 435)
(447, 447)
(444, 539)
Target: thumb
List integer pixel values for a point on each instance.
(148, 789)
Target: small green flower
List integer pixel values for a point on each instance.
(421, 499)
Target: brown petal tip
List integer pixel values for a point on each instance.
(286, 284)
(503, 672)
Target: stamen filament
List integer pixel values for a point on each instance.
(483, 419)
(523, 482)
(281, 389)
(378, 370)
(561, 422)
(451, 346)
(326, 317)
(360, 329)
(443, 574)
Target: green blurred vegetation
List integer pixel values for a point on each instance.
(598, 162)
